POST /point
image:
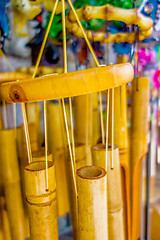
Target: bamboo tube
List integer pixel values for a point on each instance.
(114, 192)
(11, 180)
(121, 140)
(1, 223)
(55, 121)
(80, 161)
(83, 109)
(61, 181)
(33, 141)
(92, 203)
(24, 160)
(96, 133)
(40, 156)
(80, 156)
(67, 84)
(6, 234)
(87, 131)
(56, 146)
(21, 162)
(42, 205)
(139, 131)
(34, 116)
(36, 156)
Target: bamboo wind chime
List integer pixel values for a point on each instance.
(97, 218)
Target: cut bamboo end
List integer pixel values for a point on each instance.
(92, 203)
(91, 172)
(99, 156)
(42, 205)
(11, 181)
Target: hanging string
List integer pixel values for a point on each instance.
(65, 71)
(45, 39)
(45, 104)
(95, 59)
(26, 133)
(112, 163)
(107, 123)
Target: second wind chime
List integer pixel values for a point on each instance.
(97, 173)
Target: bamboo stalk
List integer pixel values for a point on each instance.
(42, 206)
(40, 156)
(92, 203)
(11, 180)
(6, 233)
(57, 148)
(83, 109)
(138, 149)
(34, 116)
(121, 140)
(114, 191)
(23, 159)
(67, 84)
(33, 141)
(80, 161)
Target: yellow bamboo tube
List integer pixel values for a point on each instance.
(1, 222)
(80, 156)
(86, 109)
(55, 122)
(21, 161)
(114, 191)
(24, 160)
(33, 141)
(80, 161)
(96, 133)
(34, 116)
(83, 106)
(121, 140)
(92, 203)
(42, 206)
(138, 146)
(6, 234)
(61, 181)
(67, 84)
(11, 180)
(40, 156)
(56, 146)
